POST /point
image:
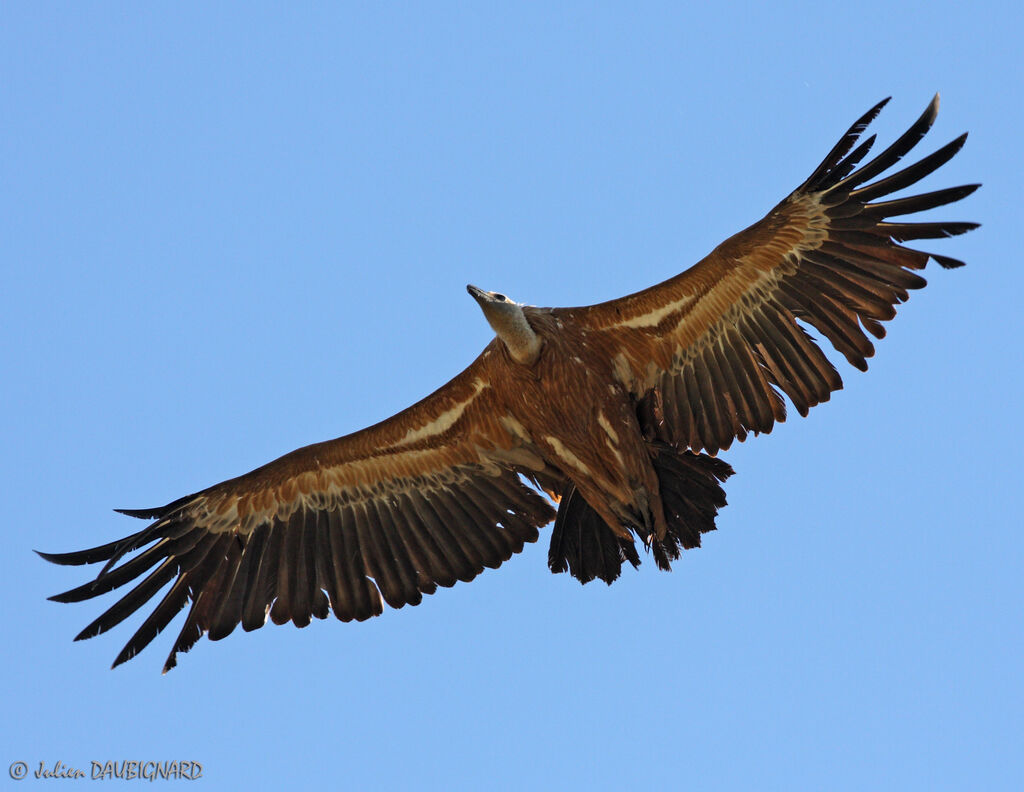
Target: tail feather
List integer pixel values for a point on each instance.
(692, 494)
(586, 547)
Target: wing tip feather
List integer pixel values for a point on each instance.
(153, 513)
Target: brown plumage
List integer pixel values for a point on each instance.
(616, 411)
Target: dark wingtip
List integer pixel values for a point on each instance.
(872, 114)
(89, 632)
(124, 656)
(963, 191)
(171, 662)
(73, 595)
(846, 142)
(947, 262)
(874, 111)
(143, 514)
(865, 120)
(78, 557)
(158, 512)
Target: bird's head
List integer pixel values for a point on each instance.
(508, 320)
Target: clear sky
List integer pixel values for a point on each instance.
(229, 231)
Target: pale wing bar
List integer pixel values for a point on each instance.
(844, 283)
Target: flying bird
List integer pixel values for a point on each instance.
(616, 412)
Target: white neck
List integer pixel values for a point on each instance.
(512, 327)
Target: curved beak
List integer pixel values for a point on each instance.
(476, 293)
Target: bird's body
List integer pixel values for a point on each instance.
(617, 411)
(595, 441)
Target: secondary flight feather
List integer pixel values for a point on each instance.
(615, 412)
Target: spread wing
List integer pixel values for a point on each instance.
(707, 349)
(423, 499)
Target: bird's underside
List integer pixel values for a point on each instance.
(616, 411)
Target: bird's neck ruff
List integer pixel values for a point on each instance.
(509, 321)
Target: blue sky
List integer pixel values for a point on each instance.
(228, 232)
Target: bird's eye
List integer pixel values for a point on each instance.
(500, 297)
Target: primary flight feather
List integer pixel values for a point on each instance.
(616, 411)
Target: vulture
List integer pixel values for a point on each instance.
(607, 419)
